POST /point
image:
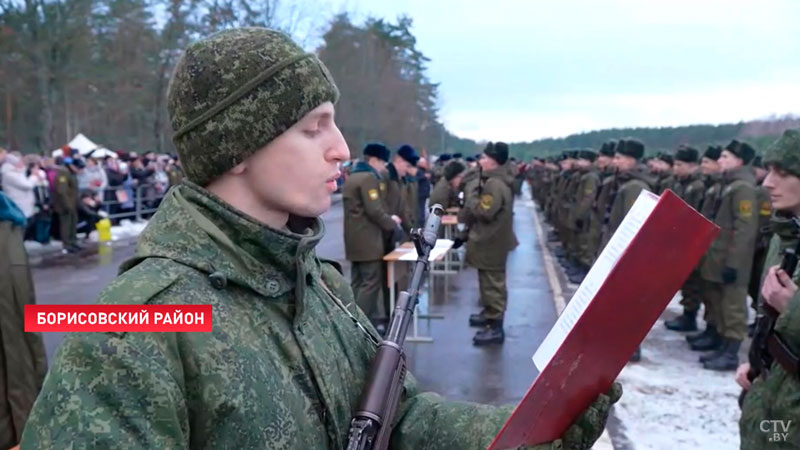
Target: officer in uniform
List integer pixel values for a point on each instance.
(727, 265)
(365, 222)
(608, 186)
(395, 199)
(663, 164)
(65, 202)
(442, 161)
(588, 185)
(488, 215)
(712, 179)
(632, 179)
(690, 187)
(290, 352)
(774, 397)
(446, 191)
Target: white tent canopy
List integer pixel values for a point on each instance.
(85, 146)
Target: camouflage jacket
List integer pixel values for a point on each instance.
(283, 368)
(776, 396)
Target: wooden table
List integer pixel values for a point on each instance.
(408, 254)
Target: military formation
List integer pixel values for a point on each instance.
(585, 194)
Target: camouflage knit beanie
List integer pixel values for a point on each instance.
(237, 90)
(785, 152)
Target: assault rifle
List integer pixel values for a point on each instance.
(371, 426)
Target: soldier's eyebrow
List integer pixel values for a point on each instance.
(319, 116)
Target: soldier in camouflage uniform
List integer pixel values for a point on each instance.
(712, 179)
(365, 223)
(689, 186)
(775, 394)
(286, 362)
(726, 267)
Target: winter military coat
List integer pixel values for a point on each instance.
(764, 216)
(588, 185)
(489, 215)
(394, 201)
(23, 362)
(411, 196)
(665, 181)
(631, 184)
(365, 220)
(283, 368)
(65, 191)
(690, 188)
(734, 211)
(776, 396)
(443, 194)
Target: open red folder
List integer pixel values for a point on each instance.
(644, 264)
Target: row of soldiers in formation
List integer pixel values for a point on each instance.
(586, 194)
(380, 204)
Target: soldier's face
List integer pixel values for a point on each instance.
(401, 165)
(487, 163)
(709, 166)
(296, 173)
(729, 161)
(784, 190)
(603, 161)
(624, 163)
(682, 168)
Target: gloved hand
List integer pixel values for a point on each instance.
(579, 224)
(591, 423)
(457, 242)
(729, 275)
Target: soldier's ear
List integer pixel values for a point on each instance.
(239, 168)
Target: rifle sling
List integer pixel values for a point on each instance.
(783, 354)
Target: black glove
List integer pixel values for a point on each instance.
(458, 242)
(729, 275)
(579, 224)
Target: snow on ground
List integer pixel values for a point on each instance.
(671, 402)
(125, 230)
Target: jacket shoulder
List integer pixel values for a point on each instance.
(143, 282)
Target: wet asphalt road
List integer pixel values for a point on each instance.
(450, 365)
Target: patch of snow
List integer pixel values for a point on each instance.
(671, 402)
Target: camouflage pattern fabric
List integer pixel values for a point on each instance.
(775, 396)
(283, 368)
(785, 152)
(237, 90)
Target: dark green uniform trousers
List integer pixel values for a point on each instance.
(730, 308)
(366, 281)
(493, 293)
(691, 292)
(68, 226)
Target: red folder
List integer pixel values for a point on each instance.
(650, 271)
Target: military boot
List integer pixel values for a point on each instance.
(685, 322)
(728, 360)
(492, 333)
(478, 320)
(710, 342)
(693, 337)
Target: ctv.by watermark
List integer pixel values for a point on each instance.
(778, 430)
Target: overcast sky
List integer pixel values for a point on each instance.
(522, 70)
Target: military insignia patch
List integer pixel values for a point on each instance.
(373, 194)
(766, 209)
(745, 208)
(382, 186)
(486, 201)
